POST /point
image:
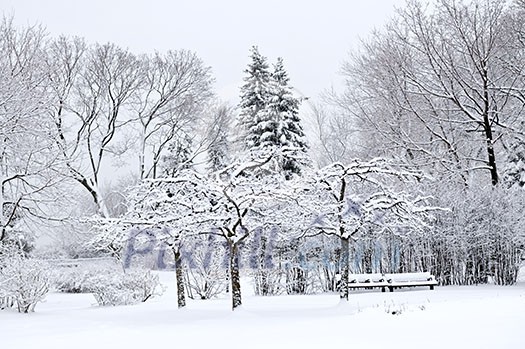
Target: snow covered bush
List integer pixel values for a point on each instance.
(481, 240)
(24, 283)
(143, 283)
(69, 282)
(112, 292)
(206, 269)
(132, 287)
(75, 280)
(110, 286)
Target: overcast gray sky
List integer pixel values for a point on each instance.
(313, 37)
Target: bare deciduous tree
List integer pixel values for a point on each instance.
(93, 88)
(176, 89)
(28, 153)
(436, 88)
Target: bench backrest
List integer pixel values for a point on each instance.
(376, 277)
(407, 277)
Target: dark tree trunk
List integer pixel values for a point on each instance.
(296, 281)
(345, 256)
(235, 276)
(228, 281)
(490, 152)
(90, 188)
(179, 274)
(261, 276)
(487, 126)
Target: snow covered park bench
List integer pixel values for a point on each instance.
(391, 281)
(410, 280)
(367, 281)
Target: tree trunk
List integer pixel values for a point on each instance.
(487, 125)
(90, 186)
(490, 151)
(345, 257)
(261, 275)
(179, 274)
(2, 200)
(296, 281)
(228, 281)
(235, 277)
(142, 153)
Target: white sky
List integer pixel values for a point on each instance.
(313, 37)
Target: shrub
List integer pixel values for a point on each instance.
(206, 274)
(24, 282)
(132, 287)
(76, 280)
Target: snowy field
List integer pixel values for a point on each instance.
(448, 317)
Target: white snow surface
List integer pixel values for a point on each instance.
(448, 317)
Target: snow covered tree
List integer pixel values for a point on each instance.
(270, 112)
(353, 198)
(284, 108)
(254, 98)
(30, 169)
(89, 117)
(234, 197)
(234, 203)
(160, 216)
(175, 91)
(278, 126)
(441, 87)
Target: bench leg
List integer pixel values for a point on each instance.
(391, 288)
(383, 289)
(431, 287)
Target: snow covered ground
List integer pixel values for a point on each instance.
(448, 317)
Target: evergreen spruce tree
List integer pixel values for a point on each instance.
(270, 113)
(285, 108)
(254, 98)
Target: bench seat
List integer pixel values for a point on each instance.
(391, 281)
